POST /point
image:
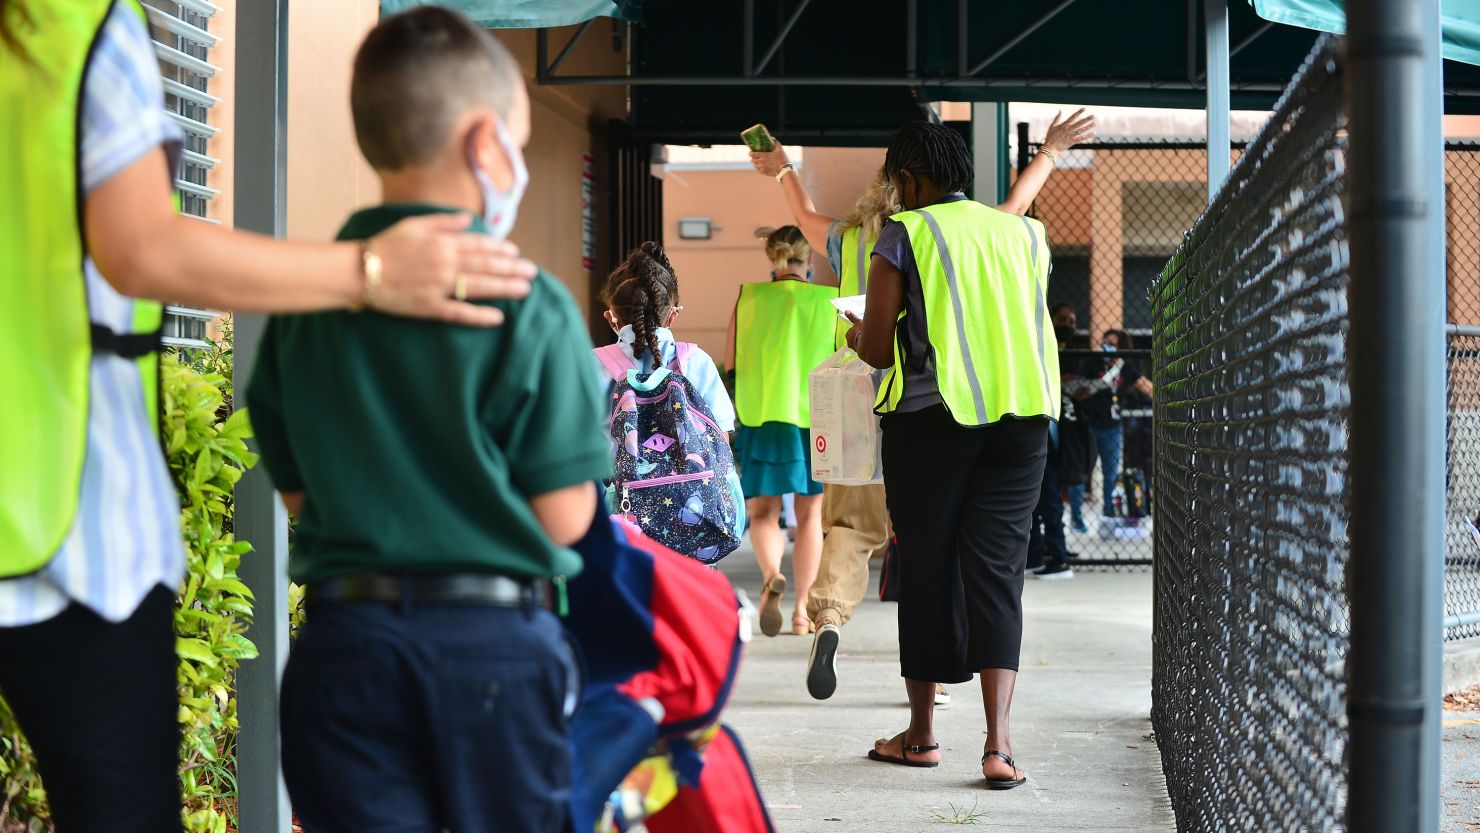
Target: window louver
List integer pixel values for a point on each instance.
(182, 40)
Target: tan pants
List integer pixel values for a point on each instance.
(855, 522)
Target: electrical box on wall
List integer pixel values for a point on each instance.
(695, 228)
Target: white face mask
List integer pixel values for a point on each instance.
(500, 209)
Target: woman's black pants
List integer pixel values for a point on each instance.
(961, 500)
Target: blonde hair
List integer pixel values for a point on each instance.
(785, 246)
(876, 205)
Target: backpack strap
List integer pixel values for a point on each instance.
(682, 350)
(614, 361)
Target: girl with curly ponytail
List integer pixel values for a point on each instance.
(641, 297)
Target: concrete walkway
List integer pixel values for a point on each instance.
(1080, 723)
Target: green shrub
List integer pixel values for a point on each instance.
(207, 455)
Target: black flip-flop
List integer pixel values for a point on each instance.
(1003, 785)
(876, 755)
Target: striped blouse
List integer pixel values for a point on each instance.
(125, 539)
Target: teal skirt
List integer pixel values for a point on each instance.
(775, 460)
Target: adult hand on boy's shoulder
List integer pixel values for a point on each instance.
(422, 257)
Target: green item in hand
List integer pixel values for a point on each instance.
(759, 138)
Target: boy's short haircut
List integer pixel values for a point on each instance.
(415, 75)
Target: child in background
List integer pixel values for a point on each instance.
(642, 302)
(674, 475)
(439, 474)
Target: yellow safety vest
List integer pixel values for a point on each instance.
(984, 277)
(781, 332)
(853, 274)
(47, 337)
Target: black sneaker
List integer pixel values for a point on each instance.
(822, 672)
(1054, 572)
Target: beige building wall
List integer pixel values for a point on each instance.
(328, 179)
(738, 201)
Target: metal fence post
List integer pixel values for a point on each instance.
(1219, 78)
(261, 137)
(1397, 303)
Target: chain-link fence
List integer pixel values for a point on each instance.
(1115, 211)
(1462, 532)
(1462, 510)
(1251, 624)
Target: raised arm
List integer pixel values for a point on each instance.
(814, 224)
(1062, 135)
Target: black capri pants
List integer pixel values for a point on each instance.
(961, 500)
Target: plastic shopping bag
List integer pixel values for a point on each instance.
(846, 441)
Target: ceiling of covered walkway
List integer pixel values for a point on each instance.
(848, 72)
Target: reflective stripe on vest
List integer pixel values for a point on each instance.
(852, 274)
(984, 282)
(781, 332)
(47, 339)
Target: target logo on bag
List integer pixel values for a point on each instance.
(821, 445)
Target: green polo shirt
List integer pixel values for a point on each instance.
(419, 444)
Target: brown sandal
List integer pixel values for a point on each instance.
(771, 605)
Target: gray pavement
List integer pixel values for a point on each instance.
(1080, 723)
(1461, 773)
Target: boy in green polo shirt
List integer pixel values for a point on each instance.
(438, 474)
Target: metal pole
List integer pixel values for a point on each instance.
(1396, 239)
(1004, 162)
(1023, 156)
(1220, 150)
(260, 189)
(987, 148)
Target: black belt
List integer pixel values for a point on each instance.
(464, 588)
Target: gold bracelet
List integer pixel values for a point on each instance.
(1052, 157)
(371, 268)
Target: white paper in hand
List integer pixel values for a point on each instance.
(851, 303)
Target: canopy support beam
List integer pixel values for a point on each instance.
(781, 38)
(261, 206)
(569, 46)
(1396, 241)
(1220, 148)
(1020, 37)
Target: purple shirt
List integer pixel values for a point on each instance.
(920, 388)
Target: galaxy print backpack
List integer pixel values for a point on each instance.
(674, 474)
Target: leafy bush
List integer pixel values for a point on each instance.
(207, 455)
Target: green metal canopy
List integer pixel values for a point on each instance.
(527, 14)
(848, 72)
(1459, 18)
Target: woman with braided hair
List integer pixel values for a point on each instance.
(641, 297)
(957, 314)
(855, 522)
(781, 330)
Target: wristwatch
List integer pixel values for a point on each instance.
(788, 167)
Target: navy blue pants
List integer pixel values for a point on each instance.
(1046, 543)
(425, 718)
